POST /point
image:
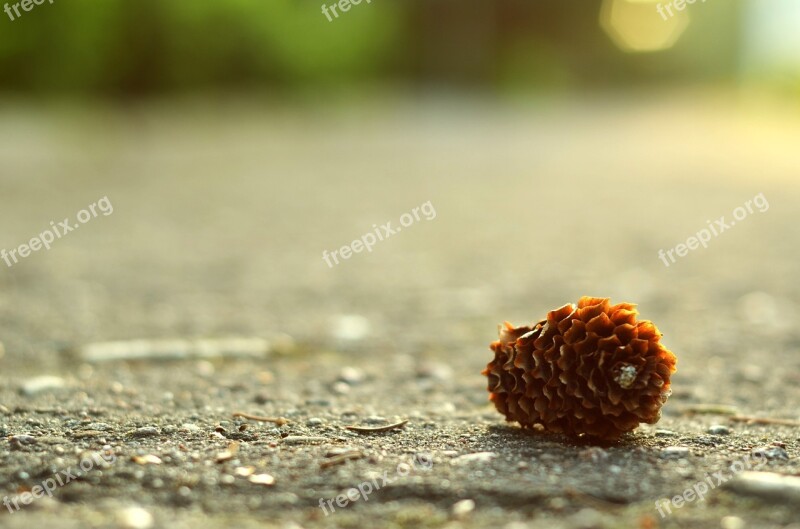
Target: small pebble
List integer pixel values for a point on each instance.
(134, 518)
(262, 398)
(314, 421)
(351, 328)
(99, 426)
(244, 472)
(478, 457)
(148, 459)
(665, 433)
(351, 375)
(262, 479)
(675, 452)
(463, 508)
(341, 388)
(339, 450)
(227, 455)
(718, 429)
(17, 441)
(771, 452)
(445, 408)
(144, 431)
(768, 486)
(732, 522)
(37, 385)
(204, 368)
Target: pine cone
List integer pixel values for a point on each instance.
(588, 370)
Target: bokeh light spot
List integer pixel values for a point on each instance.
(639, 25)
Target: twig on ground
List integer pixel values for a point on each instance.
(360, 429)
(280, 421)
(341, 458)
(171, 350)
(764, 420)
(711, 409)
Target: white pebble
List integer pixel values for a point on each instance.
(135, 518)
(768, 486)
(351, 328)
(732, 522)
(262, 479)
(34, 386)
(463, 508)
(478, 457)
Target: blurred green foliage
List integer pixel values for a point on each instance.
(142, 46)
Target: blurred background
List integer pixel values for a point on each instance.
(562, 143)
(124, 49)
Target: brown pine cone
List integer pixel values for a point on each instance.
(591, 369)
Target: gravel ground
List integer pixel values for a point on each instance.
(221, 214)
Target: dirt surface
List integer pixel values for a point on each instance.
(221, 214)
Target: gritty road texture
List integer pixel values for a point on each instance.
(221, 215)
